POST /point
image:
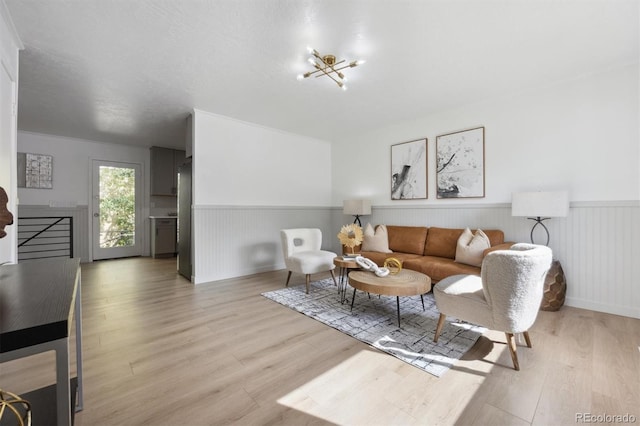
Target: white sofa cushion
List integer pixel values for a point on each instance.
(377, 240)
(471, 247)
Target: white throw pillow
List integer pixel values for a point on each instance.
(471, 247)
(376, 241)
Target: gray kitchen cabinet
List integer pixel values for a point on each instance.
(164, 238)
(164, 170)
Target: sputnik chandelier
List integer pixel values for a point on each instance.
(327, 65)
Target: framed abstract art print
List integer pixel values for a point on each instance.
(460, 164)
(409, 170)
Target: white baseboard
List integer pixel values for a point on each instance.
(603, 307)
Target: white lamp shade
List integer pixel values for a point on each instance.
(356, 207)
(540, 204)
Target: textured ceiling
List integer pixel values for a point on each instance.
(130, 71)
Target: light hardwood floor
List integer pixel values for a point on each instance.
(158, 350)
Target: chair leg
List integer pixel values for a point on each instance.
(527, 338)
(511, 342)
(439, 327)
(308, 281)
(288, 277)
(334, 277)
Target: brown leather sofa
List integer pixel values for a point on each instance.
(432, 251)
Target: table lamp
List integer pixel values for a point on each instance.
(357, 208)
(540, 206)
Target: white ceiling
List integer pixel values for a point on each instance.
(130, 71)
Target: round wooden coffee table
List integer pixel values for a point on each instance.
(404, 283)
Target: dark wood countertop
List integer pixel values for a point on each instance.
(36, 301)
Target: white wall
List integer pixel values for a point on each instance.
(9, 47)
(249, 182)
(72, 163)
(240, 163)
(580, 135)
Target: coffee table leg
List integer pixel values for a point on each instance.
(353, 298)
(398, 305)
(343, 293)
(422, 298)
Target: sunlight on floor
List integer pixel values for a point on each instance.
(361, 371)
(370, 383)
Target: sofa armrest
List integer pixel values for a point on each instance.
(504, 246)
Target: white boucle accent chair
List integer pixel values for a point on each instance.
(302, 253)
(506, 297)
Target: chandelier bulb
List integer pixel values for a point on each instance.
(311, 61)
(299, 77)
(344, 87)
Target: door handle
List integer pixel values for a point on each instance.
(96, 215)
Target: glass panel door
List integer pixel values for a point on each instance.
(116, 210)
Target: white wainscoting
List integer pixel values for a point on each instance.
(597, 244)
(233, 241)
(80, 224)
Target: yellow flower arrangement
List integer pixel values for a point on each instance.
(351, 236)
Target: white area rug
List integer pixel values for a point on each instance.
(374, 321)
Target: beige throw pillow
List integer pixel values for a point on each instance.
(376, 241)
(471, 247)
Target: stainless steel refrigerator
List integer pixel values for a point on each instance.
(184, 220)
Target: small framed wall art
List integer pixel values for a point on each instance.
(35, 171)
(409, 170)
(460, 164)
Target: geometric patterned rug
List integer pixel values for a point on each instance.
(374, 321)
